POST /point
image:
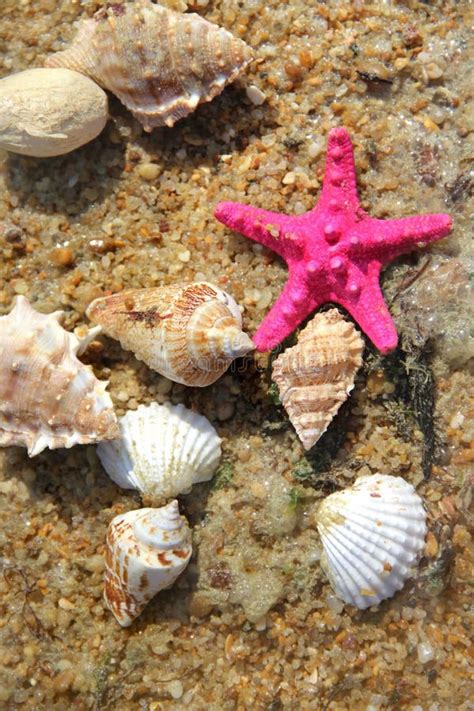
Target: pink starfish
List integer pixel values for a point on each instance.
(334, 252)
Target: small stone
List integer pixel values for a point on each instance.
(255, 95)
(225, 410)
(62, 256)
(20, 287)
(434, 71)
(176, 689)
(425, 652)
(149, 171)
(184, 256)
(289, 178)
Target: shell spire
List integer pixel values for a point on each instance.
(48, 398)
(315, 376)
(146, 550)
(190, 334)
(162, 451)
(373, 534)
(161, 64)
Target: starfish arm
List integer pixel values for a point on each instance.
(388, 239)
(372, 315)
(288, 311)
(340, 184)
(259, 225)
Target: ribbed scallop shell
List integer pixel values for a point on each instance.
(48, 398)
(372, 534)
(161, 64)
(190, 334)
(316, 376)
(163, 450)
(146, 551)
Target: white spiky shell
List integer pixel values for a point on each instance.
(146, 550)
(161, 64)
(162, 451)
(189, 333)
(48, 112)
(316, 376)
(48, 398)
(372, 535)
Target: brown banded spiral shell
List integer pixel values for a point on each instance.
(315, 377)
(161, 64)
(48, 398)
(190, 334)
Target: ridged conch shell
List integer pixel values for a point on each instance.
(372, 535)
(146, 551)
(161, 64)
(162, 451)
(48, 112)
(48, 398)
(316, 376)
(190, 334)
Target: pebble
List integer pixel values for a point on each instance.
(176, 689)
(425, 652)
(289, 178)
(149, 171)
(62, 256)
(255, 95)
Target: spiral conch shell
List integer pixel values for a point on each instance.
(48, 398)
(372, 534)
(146, 551)
(190, 333)
(315, 376)
(162, 451)
(161, 64)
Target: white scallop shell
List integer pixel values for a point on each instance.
(146, 551)
(163, 450)
(372, 534)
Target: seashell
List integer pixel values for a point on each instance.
(372, 535)
(190, 334)
(48, 398)
(316, 376)
(161, 64)
(48, 112)
(162, 451)
(146, 551)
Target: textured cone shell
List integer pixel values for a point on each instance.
(146, 550)
(48, 398)
(161, 64)
(315, 376)
(190, 334)
(372, 534)
(163, 450)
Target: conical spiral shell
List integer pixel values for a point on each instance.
(316, 376)
(162, 451)
(190, 334)
(372, 535)
(146, 550)
(48, 398)
(161, 64)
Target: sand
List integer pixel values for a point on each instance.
(253, 622)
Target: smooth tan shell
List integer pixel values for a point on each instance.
(146, 550)
(315, 376)
(190, 334)
(48, 398)
(48, 112)
(161, 64)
